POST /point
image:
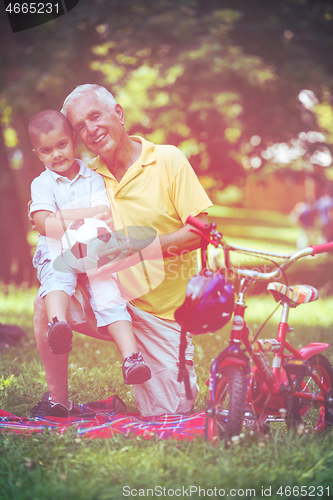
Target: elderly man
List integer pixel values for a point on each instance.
(148, 186)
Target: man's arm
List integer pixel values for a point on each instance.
(127, 254)
(183, 240)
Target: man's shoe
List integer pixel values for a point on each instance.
(48, 408)
(59, 337)
(135, 370)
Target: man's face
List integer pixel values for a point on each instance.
(100, 128)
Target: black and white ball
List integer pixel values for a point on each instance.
(82, 243)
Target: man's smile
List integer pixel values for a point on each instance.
(100, 138)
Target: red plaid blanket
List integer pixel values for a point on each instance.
(100, 420)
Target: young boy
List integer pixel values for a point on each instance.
(66, 191)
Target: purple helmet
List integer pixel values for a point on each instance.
(208, 305)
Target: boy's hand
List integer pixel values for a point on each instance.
(33, 225)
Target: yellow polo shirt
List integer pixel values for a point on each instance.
(160, 190)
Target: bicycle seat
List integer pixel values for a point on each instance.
(297, 294)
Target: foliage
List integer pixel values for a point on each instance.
(203, 75)
(218, 79)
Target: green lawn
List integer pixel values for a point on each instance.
(255, 228)
(52, 467)
(48, 466)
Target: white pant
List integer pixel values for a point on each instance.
(159, 340)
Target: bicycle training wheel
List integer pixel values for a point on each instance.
(224, 416)
(313, 413)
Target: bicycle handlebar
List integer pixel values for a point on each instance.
(201, 226)
(209, 233)
(324, 247)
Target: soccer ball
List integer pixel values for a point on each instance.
(82, 243)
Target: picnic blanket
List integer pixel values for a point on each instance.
(102, 419)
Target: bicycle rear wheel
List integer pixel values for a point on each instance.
(224, 416)
(312, 414)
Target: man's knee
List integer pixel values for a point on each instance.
(164, 394)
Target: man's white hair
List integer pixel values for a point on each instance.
(101, 93)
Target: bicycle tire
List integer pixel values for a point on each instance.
(312, 414)
(293, 409)
(229, 395)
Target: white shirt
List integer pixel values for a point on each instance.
(51, 192)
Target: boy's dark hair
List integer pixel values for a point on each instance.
(45, 121)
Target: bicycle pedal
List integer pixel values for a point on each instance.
(297, 367)
(329, 407)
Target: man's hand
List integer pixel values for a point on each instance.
(33, 225)
(106, 218)
(129, 251)
(121, 258)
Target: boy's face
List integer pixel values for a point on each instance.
(57, 151)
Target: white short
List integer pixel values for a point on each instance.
(105, 299)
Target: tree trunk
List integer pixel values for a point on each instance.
(15, 262)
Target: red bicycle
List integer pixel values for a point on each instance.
(296, 387)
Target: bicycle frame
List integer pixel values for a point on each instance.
(276, 383)
(267, 387)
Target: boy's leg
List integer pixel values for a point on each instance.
(110, 310)
(56, 305)
(159, 340)
(123, 335)
(55, 365)
(56, 288)
(135, 370)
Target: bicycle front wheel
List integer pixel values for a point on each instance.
(313, 413)
(225, 413)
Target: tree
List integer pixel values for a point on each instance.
(38, 67)
(219, 79)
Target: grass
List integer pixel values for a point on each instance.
(49, 466)
(262, 228)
